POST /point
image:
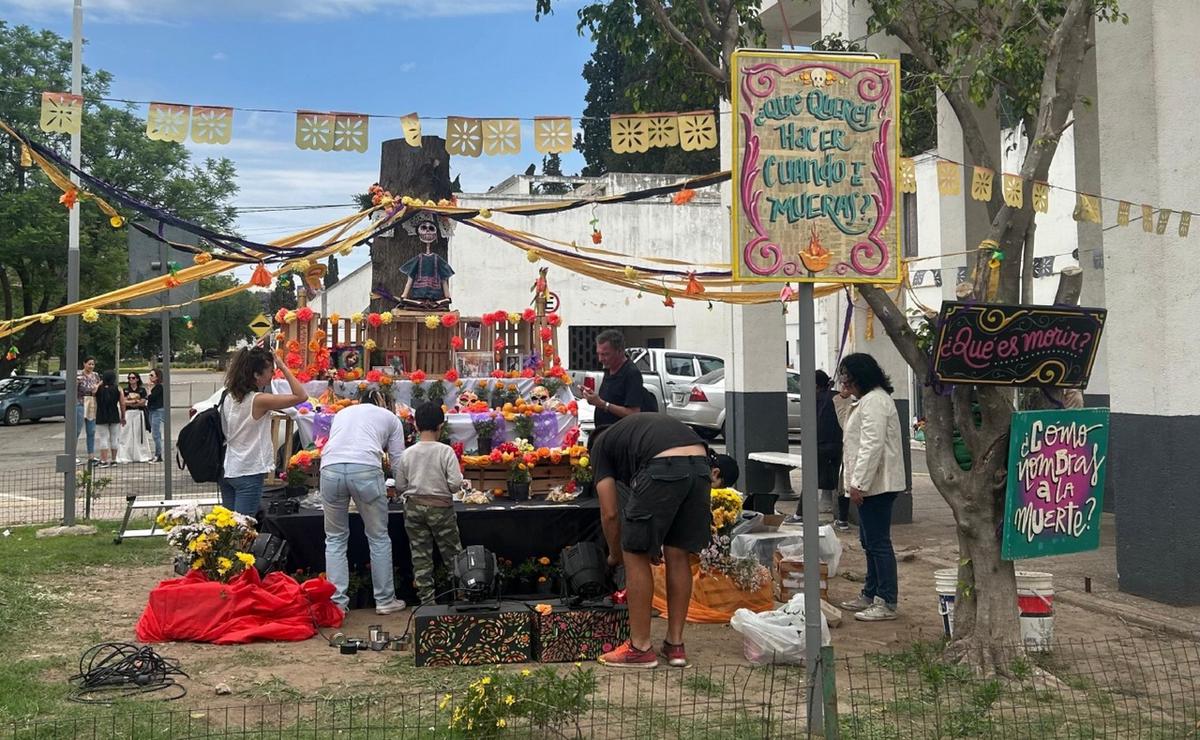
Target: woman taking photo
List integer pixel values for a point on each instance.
(135, 435)
(110, 417)
(245, 419)
(874, 468)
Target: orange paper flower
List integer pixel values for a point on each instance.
(543, 609)
(683, 197)
(261, 277)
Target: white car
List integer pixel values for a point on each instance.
(702, 404)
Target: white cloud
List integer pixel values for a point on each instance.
(220, 56)
(174, 11)
(407, 66)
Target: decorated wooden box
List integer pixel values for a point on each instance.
(578, 633)
(445, 636)
(544, 477)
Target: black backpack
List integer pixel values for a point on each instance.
(201, 445)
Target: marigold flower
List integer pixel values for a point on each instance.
(451, 375)
(386, 317)
(543, 560)
(91, 315)
(417, 376)
(431, 322)
(370, 345)
(335, 317)
(304, 314)
(356, 317)
(514, 317)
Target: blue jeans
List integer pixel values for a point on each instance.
(341, 482)
(156, 429)
(875, 534)
(89, 424)
(242, 493)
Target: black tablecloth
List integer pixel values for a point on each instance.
(513, 531)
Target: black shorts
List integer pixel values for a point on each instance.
(668, 504)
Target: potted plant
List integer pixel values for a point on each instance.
(300, 470)
(527, 575)
(520, 476)
(546, 573)
(485, 431)
(583, 476)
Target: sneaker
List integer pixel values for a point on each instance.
(627, 656)
(876, 613)
(794, 519)
(857, 604)
(391, 607)
(674, 655)
(841, 526)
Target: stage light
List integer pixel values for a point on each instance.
(584, 572)
(270, 553)
(474, 574)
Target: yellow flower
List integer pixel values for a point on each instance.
(356, 317)
(46, 318)
(485, 680)
(431, 322)
(223, 565)
(386, 317)
(198, 563)
(583, 462)
(532, 255)
(289, 317)
(526, 673)
(246, 558)
(444, 702)
(161, 519)
(508, 700)
(370, 345)
(514, 317)
(501, 723)
(91, 315)
(335, 317)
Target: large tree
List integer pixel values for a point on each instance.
(1020, 60)
(33, 226)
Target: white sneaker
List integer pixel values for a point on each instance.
(876, 613)
(858, 603)
(391, 608)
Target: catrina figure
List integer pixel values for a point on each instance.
(428, 285)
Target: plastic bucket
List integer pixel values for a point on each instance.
(946, 583)
(1035, 594)
(1037, 632)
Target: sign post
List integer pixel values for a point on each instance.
(815, 163)
(1056, 470)
(260, 325)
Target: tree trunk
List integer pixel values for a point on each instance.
(420, 173)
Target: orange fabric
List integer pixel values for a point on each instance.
(714, 597)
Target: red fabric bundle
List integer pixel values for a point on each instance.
(195, 609)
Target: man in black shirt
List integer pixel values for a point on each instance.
(621, 391)
(653, 481)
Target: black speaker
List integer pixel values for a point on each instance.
(270, 553)
(584, 570)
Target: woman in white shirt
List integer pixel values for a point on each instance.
(249, 451)
(873, 463)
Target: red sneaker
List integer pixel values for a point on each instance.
(675, 655)
(627, 656)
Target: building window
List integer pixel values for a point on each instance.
(908, 225)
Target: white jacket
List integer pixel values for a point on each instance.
(872, 455)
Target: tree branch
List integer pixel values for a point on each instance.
(705, 64)
(706, 17)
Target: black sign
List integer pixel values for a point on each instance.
(1017, 345)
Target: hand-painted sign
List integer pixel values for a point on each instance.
(1017, 345)
(1056, 468)
(815, 150)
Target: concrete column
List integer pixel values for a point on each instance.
(755, 375)
(1150, 154)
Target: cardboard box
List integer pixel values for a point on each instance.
(789, 578)
(578, 633)
(446, 636)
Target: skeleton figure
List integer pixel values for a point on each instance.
(428, 285)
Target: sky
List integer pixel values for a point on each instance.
(483, 58)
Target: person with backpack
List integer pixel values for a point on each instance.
(246, 423)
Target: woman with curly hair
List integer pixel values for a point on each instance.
(245, 418)
(874, 468)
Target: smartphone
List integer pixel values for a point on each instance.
(590, 384)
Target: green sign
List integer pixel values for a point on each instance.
(1056, 467)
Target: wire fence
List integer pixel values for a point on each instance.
(35, 495)
(716, 703)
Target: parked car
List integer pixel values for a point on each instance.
(702, 406)
(31, 397)
(666, 370)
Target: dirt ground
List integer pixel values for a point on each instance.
(268, 672)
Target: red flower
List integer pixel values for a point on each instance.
(458, 449)
(449, 319)
(572, 436)
(597, 237)
(488, 319)
(374, 320)
(293, 360)
(303, 377)
(417, 376)
(373, 376)
(304, 314)
(495, 455)
(277, 374)
(497, 373)
(456, 342)
(451, 375)
(500, 344)
(322, 363)
(280, 315)
(546, 333)
(570, 487)
(527, 373)
(553, 319)
(529, 316)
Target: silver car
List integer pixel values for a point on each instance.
(702, 406)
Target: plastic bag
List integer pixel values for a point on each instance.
(830, 549)
(775, 636)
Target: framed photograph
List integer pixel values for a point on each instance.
(474, 364)
(348, 357)
(513, 363)
(397, 361)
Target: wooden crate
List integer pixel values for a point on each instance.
(789, 578)
(545, 477)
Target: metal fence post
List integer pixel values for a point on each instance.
(829, 693)
(87, 493)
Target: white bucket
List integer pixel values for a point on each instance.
(1035, 593)
(1037, 633)
(946, 583)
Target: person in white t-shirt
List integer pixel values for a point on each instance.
(246, 421)
(351, 468)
